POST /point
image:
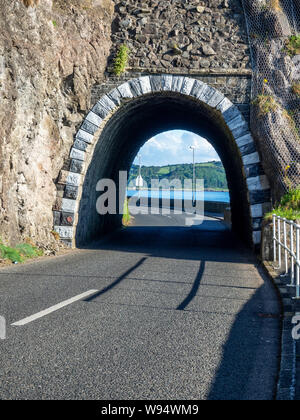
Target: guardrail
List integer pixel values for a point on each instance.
(290, 231)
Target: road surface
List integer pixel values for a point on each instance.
(148, 313)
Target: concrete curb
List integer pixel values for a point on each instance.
(286, 387)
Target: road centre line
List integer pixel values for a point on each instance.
(53, 308)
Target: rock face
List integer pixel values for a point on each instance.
(51, 53)
(275, 123)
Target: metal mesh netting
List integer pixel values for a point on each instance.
(274, 34)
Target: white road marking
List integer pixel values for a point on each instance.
(53, 308)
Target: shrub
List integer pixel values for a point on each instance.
(289, 206)
(121, 60)
(296, 89)
(265, 104)
(293, 45)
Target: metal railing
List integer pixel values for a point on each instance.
(291, 230)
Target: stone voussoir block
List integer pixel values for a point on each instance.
(115, 96)
(145, 84)
(252, 158)
(216, 98)
(67, 219)
(125, 91)
(80, 145)
(248, 149)
(65, 232)
(77, 166)
(187, 86)
(73, 178)
(85, 136)
(94, 119)
(71, 191)
(68, 205)
(167, 81)
(104, 107)
(156, 83)
(177, 83)
(89, 127)
(258, 183)
(77, 154)
(256, 236)
(198, 87)
(245, 140)
(135, 88)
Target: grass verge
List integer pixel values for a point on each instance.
(20, 253)
(126, 214)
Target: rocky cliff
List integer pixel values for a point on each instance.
(51, 52)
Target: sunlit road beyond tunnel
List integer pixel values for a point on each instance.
(170, 313)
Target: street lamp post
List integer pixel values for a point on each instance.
(194, 176)
(139, 176)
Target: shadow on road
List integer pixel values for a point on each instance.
(194, 289)
(117, 281)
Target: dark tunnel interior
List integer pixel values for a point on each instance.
(134, 123)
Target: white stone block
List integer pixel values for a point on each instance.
(187, 86)
(83, 135)
(256, 210)
(94, 118)
(125, 91)
(256, 237)
(244, 140)
(258, 183)
(74, 179)
(167, 82)
(69, 205)
(224, 105)
(251, 159)
(77, 154)
(145, 84)
(215, 99)
(65, 232)
(177, 83)
(236, 122)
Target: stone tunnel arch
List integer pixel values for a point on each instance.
(124, 119)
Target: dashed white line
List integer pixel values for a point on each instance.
(53, 308)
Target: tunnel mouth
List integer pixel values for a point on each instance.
(133, 124)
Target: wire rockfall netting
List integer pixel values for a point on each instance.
(274, 34)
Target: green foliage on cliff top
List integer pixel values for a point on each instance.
(213, 174)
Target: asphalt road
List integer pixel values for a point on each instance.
(170, 313)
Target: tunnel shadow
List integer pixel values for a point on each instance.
(184, 243)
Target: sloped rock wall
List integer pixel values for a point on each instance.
(51, 53)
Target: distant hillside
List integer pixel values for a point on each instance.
(213, 174)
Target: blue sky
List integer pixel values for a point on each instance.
(172, 147)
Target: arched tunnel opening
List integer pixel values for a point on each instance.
(131, 126)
